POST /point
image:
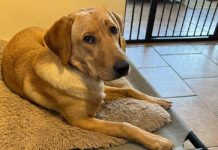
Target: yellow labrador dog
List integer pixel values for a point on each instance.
(64, 69)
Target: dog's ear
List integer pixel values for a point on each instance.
(58, 38)
(119, 21)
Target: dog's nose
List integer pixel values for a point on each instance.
(121, 67)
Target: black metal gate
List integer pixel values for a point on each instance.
(171, 20)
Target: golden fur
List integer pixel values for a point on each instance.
(56, 69)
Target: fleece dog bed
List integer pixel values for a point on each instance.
(24, 125)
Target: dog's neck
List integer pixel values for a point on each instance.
(68, 79)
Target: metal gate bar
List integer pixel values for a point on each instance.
(184, 17)
(202, 6)
(151, 19)
(161, 18)
(170, 20)
(206, 17)
(130, 35)
(177, 18)
(171, 8)
(191, 17)
(140, 19)
(213, 18)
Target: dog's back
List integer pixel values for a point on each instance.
(25, 44)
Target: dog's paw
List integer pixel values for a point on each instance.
(164, 103)
(163, 144)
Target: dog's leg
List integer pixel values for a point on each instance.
(125, 130)
(113, 93)
(81, 113)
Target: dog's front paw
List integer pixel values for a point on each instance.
(163, 144)
(164, 103)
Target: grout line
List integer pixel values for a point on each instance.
(208, 108)
(191, 87)
(138, 45)
(200, 78)
(213, 147)
(203, 43)
(210, 59)
(204, 54)
(204, 103)
(151, 67)
(181, 54)
(185, 54)
(193, 77)
(181, 96)
(195, 47)
(183, 79)
(178, 75)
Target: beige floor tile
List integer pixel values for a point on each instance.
(148, 44)
(138, 44)
(206, 89)
(204, 42)
(188, 145)
(213, 148)
(166, 82)
(145, 57)
(176, 49)
(203, 47)
(210, 51)
(192, 65)
(199, 118)
(169, 43)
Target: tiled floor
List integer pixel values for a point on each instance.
(188, 22)
(166, 82)
(187, 74)
(192, 65)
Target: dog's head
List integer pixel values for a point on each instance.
(91, 41)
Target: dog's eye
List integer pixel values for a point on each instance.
(113, 30)
(89, 39)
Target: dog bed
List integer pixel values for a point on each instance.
(24, 125)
